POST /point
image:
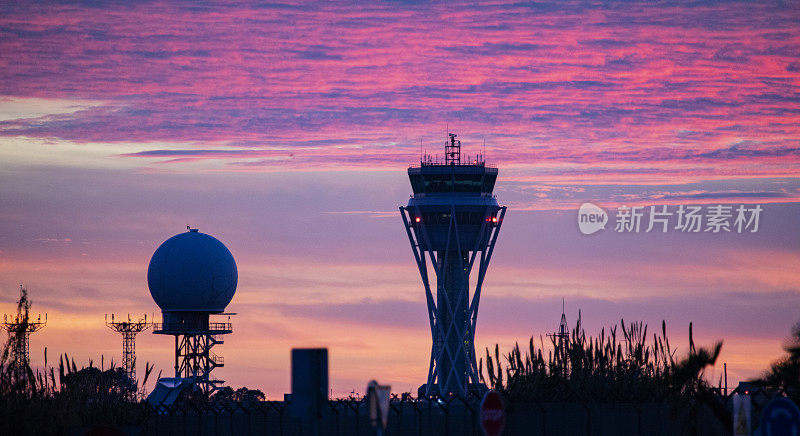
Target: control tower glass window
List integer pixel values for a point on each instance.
(488, 182)
(468, 182)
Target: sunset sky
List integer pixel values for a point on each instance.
(285, 130)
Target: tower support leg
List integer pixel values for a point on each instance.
(194, 359)
(452, 314)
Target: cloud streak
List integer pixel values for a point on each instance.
(647, 82)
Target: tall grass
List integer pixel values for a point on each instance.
(622, 365)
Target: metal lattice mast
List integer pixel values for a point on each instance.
(129, 329)
(195, 358)
(19, 328)
(452, 150)
(561, 340)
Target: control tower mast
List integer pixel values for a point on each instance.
(454, 220)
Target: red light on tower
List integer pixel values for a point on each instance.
(494, 219)
(417, 219)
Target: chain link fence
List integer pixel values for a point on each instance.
(455, 416)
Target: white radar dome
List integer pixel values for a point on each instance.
(192, 272)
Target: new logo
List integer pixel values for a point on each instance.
(591, 218)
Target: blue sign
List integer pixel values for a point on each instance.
(780, 417)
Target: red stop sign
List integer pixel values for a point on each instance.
(493, 414)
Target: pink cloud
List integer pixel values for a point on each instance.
(559, 82)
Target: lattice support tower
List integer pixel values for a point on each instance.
(561, 341)
(195, 337)
(129, 329)
(19, 328)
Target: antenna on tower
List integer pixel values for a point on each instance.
(452, 151)
(561, 339)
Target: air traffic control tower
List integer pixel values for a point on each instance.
(452, 219)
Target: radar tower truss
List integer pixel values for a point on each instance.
(193, 356)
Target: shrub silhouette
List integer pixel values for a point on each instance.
(784, 373)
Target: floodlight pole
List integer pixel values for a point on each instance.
(19, 328)
(129, 329)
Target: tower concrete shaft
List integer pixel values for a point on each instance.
(452, 222)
